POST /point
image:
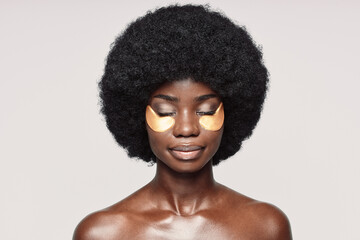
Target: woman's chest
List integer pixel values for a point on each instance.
(189, 227)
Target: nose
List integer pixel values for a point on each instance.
(186, 124)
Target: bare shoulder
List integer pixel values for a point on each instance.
(118, 222)
(93, 226)
(263, 220)
(104, 224)
(270, 221)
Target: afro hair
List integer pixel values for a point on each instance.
(174, 43)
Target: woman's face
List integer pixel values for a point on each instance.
(186, 144)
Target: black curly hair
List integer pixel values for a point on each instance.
(174, 43)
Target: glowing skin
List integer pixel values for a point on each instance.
(161, 124)
(184, 201)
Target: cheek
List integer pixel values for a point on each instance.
(213, 139)
(158, 142)
(154, 140)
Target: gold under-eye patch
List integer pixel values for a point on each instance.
(213, 122)
(157, 123)
(161, 124)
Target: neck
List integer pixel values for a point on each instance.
(183, 193)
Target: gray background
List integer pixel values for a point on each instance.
(59, 162)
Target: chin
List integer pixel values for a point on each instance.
(186, 166)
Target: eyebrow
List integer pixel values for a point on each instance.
(175, 99)
(205, 97)
(167, 98)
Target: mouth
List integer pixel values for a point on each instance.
(185, 152)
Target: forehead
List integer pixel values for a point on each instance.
(183, 89)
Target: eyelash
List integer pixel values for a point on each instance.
(171, 114)
(205, 113)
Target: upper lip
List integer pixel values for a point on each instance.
(186, 148)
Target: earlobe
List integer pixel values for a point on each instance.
(157, 123)
(213, 122)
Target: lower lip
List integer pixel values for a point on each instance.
(188, 155)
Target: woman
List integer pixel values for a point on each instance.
(183, 87)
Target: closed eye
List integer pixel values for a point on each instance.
(205, 113)
(169, 114)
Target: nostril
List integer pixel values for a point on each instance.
(186, 135)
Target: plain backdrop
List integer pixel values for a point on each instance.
(59, 162)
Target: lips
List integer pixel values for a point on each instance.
(186, 152)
